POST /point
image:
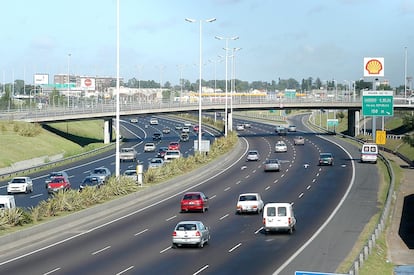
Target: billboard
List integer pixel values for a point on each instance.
(41, 79)
(87, 83)
(373, 66)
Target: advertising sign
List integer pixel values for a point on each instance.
(41, 79)
(88, 83)
(373, 66)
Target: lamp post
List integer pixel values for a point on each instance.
(200, 74)
(405, 74)
(233, 84)
(68, 90)
(117, 115)
(226, 104)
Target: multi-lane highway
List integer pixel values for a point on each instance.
(139, 242)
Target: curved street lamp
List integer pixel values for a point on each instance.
(200, 75)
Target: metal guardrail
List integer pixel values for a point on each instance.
(380, 227)
(28, 170)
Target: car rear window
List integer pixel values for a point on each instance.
(20, 180)
(192, 197)
(281, 211)
(271, 211)
(186, 227)
(248, 198)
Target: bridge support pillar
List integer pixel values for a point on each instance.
(107, 131)
(353, 122)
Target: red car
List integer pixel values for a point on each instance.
(174, 145)
(194, 201)
(58, 183)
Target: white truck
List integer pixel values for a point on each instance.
(7, 202)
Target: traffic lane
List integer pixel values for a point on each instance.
(344, 229)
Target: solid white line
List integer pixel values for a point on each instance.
(100, 250)
(201, 269)
(52, 271)
(234, 247)
(139, 233)
(223, 217)
(125, 270)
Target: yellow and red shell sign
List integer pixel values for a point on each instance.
(373, 66)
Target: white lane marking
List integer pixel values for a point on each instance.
(258, 230)
(248, 176)
(301, 195)
(165, 249)
(140, 232)
(267, 188)
(238, 182)
(100, 250)
(35, 196)
(317, 174)
(254, 171)
(227, 188)
(158, 202)
(309, 187)
(235, 247)
(212, 197)
(282, 175)
(313, 180)
(125, 270)
(170, 218)
(201, 269)
(223, 217)
(276, 181)
(52, 271)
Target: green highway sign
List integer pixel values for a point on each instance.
(377, 103)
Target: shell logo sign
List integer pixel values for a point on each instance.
(373, 66)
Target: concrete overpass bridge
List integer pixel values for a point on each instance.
(107, 111)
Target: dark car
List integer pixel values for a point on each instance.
(326, 159)
(194, 201)
(161, 151)
(156, 136)
(91, 181)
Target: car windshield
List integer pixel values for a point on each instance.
(252, 153)
(19, 180)
(326, 155)
(99, 171)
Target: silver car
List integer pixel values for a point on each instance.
(190, 233)
(155, 163)
(272, 165)
(102, 173)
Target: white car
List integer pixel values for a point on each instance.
(131, 173)
(240, 127)
(171, 155)
(185, 129)
(155, 163)
(20, 185)
(154, 121)
(280, 146)
(149, 147)
(249, 203)
(253, 155)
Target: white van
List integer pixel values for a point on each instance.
(7, 202)
(369, 152)
(279, 217)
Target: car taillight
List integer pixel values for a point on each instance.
(174, 233)
(264, 221)
(198, 233)
(289, 220)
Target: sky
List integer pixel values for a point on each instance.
(325, 39)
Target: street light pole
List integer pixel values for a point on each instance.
(117, 143)
(200, 75)
(226, 100)
(233, 85)
(405, 74)
(68, 90)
